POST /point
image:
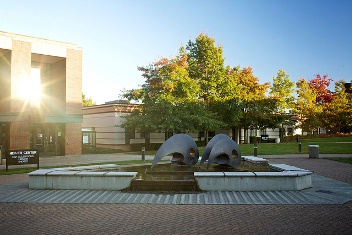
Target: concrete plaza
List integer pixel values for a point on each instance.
(326, 208)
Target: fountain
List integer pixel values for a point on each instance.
(223, 158)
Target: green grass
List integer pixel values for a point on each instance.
(333, 145)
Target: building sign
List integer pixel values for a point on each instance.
(264, 138)
(20, 157)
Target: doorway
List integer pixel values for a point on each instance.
(4, 139)
(49, 139)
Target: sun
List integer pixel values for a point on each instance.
(30, 88)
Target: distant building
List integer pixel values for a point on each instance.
(40, 95)
(105, 120)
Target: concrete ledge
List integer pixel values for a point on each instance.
(79, 178)
(288, 178)
(209, 174)
(254, 159)
(83, 168)
(284, 167)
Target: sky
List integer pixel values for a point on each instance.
(303, 37)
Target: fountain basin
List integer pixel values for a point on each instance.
(285, 177)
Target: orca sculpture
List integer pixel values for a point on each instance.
(225, 152)
(210, 145)
(183, 148)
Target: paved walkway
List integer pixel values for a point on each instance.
(326, 208)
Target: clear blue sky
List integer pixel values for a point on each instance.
(303, 37)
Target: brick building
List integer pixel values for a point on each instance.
(40, 95)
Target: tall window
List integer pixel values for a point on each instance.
(29, 88)
(35, 86)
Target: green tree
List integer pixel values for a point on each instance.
(282, 89)
(307, 107)
(87, 101)
(170, 99)
(229, 109)
(338, 112)
(206, 67)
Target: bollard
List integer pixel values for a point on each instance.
(143, 153)
(300, 146)
(313, 151)
(255, 150)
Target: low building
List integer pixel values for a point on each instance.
(105, 121)
(102, 128)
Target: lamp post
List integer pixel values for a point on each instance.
(300, 146)
(143, 153)
(255, 150)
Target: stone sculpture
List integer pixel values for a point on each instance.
(225, 152)
(210, 145)
(183, 148)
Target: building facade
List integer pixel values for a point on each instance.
(105, 122)
(40, 95)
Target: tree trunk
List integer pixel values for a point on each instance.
(245, 134)
(206, 134)
(235, 135)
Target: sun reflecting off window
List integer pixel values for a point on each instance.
(36, 86)
(30, 88)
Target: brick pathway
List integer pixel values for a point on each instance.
(332, 169)
(38, 218)
(174, 219)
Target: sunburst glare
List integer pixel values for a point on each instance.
(30, 88)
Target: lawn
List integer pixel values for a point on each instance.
(333, 145)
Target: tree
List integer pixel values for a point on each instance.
(306, 106)
(251, 94)
(170, 99)
(206, 67)
(338, 112)
(87, 102)
(320, 86)
(194, 91)
(228, 108)
(282, 89)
